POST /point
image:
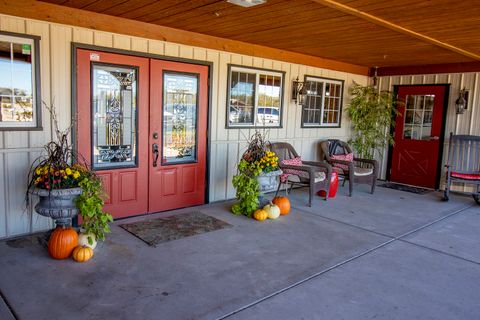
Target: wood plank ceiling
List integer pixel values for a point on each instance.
(312, 28)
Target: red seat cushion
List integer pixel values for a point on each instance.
(345, 157)
(467, 176)
(297, 161)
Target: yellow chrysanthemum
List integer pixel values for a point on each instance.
(68, 171)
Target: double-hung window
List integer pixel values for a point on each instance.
(254, 97)
(322, 106)
(20, 101)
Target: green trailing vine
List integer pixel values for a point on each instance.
(90, 203)
(371, 112)
(247, 187)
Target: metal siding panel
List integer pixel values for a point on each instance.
(232, 159)
(18, 219)
(222, 106)
(40, 138)
(156, 47)
(139, 44)
(61, 73)
(103, 39)
(82, 35)
(121, 42)
(3, 202)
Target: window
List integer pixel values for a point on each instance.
(322, 106)
(417, 123)
(20, 101)
(254, 97)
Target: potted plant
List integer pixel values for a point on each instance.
(257, 173)
(90, 203)
(65, 187)
(55, 180)
(371, 112)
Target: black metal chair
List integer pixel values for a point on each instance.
(463, 164)
(315, 175)
(359, 170)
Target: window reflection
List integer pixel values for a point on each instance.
(16, 82)
(418, 117)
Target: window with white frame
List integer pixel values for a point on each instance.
(254, 97)
(19, 82)
(322, 106)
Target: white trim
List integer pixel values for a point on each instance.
(324, 81)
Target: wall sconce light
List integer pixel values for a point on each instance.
(462, 101)
(298, 91)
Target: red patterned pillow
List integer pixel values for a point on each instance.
(345, 157)
(297, 161)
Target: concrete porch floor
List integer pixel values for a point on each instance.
(391, 255)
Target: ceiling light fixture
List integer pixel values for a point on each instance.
(246, 3)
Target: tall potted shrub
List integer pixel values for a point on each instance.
(372, 112)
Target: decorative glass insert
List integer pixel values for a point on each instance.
(114, 98)
(255, 97)
(323, 102)
(418, 117)
(180, 105)
(18, 101)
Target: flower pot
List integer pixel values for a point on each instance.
(58, 204)
(268, 181)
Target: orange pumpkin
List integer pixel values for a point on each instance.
(62, 242)
(260, 215)
(82, 253)
(283, 203)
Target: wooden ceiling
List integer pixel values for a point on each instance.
(321, 28)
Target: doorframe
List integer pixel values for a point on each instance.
(209, 64)
(438, 174)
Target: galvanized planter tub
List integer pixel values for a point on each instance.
(58, 204)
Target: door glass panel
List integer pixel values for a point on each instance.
(418, 117)
(114, 99)
(179, 118)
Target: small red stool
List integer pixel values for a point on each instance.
(333, 187)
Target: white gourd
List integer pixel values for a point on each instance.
(83, 240)
(273, 211)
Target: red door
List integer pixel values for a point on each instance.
(418, 132)
(126, 105)
(178, 126)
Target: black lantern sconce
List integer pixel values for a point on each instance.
(462, 101)
(298, 91)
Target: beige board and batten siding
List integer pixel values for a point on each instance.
(466, 123)
(19, 149)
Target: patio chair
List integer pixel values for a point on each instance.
(355, 170)
(312, 174)
(463, 164)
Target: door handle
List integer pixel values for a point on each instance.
(155, 154)
(435, 138)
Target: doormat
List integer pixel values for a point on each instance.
(402, 187)
(160, 230)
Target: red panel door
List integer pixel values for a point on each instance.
(112, 126)
(418, 133)
(178, 135)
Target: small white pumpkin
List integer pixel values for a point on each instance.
(83, 240)
(273, 211)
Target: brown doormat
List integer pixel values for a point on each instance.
(174, 227)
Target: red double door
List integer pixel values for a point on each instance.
(419, 135)
(141, 124)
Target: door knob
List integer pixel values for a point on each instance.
(155, 154)
(435, 138)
